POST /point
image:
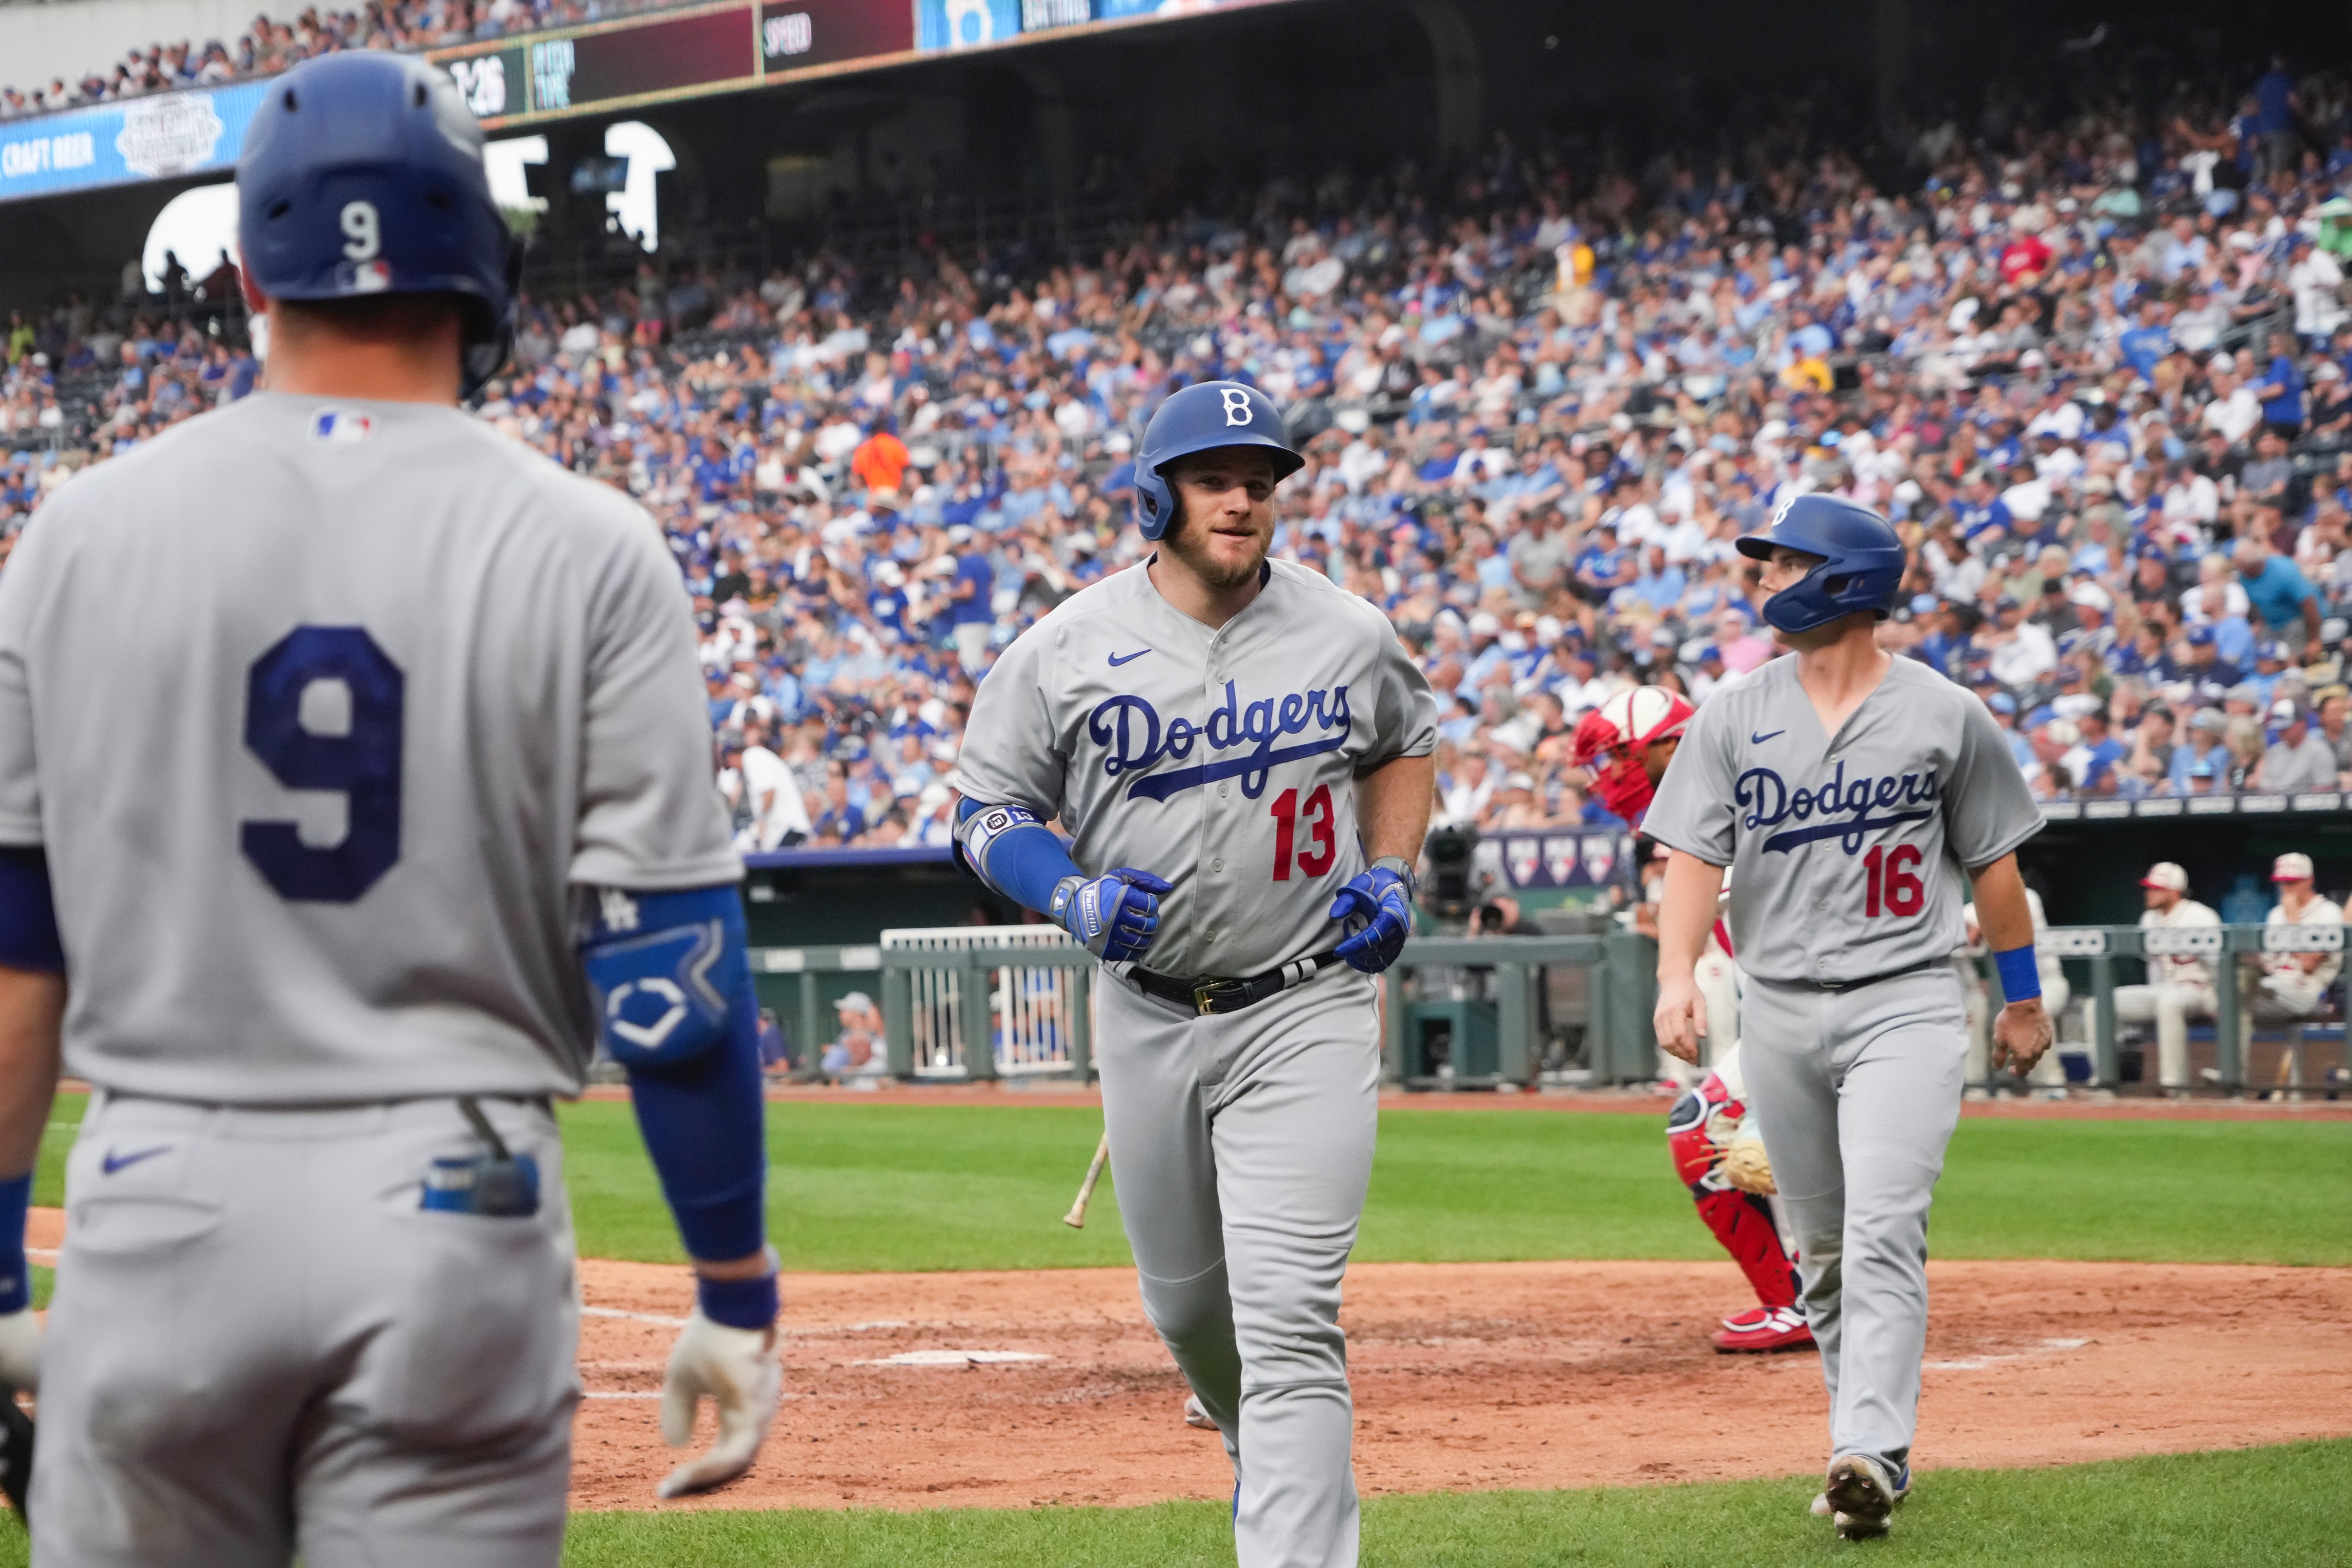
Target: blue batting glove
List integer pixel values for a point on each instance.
(1376, 910)
(1115, 915)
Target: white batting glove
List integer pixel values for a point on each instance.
(20, 1351)
(740, 1372)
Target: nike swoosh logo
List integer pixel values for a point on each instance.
(114, 1162)
(1755, 739)
(1118, 659)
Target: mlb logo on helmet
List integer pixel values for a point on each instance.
(341, 426)
(365, 278)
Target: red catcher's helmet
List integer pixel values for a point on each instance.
(1630, 721)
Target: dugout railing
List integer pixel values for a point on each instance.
(2099, 948)
(963, 1004)
(966, 1004)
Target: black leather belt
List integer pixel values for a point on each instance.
(1920, 967)
(1222, 994)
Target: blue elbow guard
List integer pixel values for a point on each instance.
(662, 968)
(1014, 852)
(29, 920)
(673, 989)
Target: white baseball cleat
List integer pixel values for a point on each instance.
(1197, 1413)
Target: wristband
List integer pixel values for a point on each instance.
(15, 1277)
(740, 1304)
(2021, 974)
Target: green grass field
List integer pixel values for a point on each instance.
(922, 1187)
(2280, 1507)
(875, 1186)
(883, 1186)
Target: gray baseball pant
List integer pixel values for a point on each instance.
(1858, 1091)
(1241, 1145)
(261, 1346)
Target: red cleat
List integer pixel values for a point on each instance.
(1761, 1330)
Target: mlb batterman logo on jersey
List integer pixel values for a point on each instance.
(341, 426)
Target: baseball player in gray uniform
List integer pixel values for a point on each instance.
(367, 752)
(1859, 796)
(1242, 755)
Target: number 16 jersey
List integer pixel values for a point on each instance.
(321, 710)
(1847, 850)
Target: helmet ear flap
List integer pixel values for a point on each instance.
(1155, 504)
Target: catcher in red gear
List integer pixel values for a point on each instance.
(1720, 1157)
(1637, 731)
(1626, 742)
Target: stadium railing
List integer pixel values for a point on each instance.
(1493, 1013)
(2099, 948)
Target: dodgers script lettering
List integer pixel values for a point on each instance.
(1129, 730)
(1770, 802)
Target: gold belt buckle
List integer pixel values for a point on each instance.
(1204, 993)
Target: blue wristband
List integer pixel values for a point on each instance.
(739, 1303)
(2021, 974)
(16, 1277)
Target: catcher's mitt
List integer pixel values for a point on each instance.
(1744, 1165)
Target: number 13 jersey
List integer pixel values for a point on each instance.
(321, 710)
(1224, 760)
(1847, 850)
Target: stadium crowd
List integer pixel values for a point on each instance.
(267, 47)
(2093, 364)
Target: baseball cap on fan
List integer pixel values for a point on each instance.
(2167, 876)
(2293, 866)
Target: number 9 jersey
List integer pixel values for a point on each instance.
(1847, 850)
(321, 709)
(1222, 760)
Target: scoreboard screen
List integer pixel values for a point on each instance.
(734, 44)
(672, 54)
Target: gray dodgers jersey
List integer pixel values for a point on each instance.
(322, 708)
(1848, 853)
(1224, 760)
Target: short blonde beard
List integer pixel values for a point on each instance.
(1212, 573)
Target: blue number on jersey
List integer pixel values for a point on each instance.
(363, 764)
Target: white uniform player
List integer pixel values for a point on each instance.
(2049, 1073)
(1855, 794)
(368, 753)
(1250, 740)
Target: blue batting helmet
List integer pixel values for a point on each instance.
(363, 174)
(1862, 561)
(1201, 418)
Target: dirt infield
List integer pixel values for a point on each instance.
(1467, 1377)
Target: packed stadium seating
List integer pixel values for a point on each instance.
(2095, 363)
(268, 46)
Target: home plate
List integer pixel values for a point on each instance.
(954, 1358)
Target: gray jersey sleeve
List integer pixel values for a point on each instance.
(1405, 715)
(20, 598)
(650, 818)
(1989, 810)
(1012, 753)
(1694, 809)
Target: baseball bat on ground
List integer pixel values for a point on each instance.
(1077, 1219)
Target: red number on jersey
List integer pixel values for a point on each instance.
(1316, 859)
(1888, 879)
